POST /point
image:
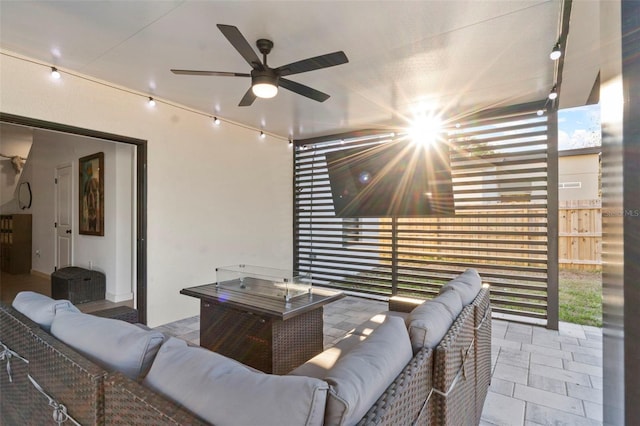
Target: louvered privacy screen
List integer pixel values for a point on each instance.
(500, 172)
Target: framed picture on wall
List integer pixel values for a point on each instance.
(91, 190)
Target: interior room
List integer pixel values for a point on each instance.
(151, 145)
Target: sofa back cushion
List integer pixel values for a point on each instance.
(39, 308)
(363, 374)
(467, 285)
(428, 323)
(225, 392)
(113, 344)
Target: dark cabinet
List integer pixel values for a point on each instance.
(15, 243)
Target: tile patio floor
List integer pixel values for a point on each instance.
(540, 376)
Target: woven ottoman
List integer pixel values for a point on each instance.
(78, 285)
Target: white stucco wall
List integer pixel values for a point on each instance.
(216, 195)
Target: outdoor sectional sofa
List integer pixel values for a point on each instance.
(419, 363)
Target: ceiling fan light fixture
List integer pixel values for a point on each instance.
(265, 90)
(264, 84)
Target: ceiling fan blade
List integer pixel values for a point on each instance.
(248, 98)
(303, 90)
(215, 73)
(318, 62)
(241, 44)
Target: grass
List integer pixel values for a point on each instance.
(581, 297)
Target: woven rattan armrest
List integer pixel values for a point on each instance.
(406, 400)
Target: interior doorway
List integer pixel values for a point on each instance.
(140, 190)
(64, 218)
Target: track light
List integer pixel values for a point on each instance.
(556, 52)
(55, 73)
(216, 121)
(151, 102)
(290, 141)
(540, 112)
(553, 94)
(262, 135)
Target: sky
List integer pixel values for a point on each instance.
(579, 127)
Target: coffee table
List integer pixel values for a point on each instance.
(269, 334)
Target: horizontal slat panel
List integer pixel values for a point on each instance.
(500, 190)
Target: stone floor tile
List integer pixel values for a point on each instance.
(547, 384)
(506, 343)
(333, 332)
(596, 382)
(548, 399)
(590, 343)
(546, 342)
(347, 325)
(586, 393)
(592, 370)
(512, 357)
(588, 359)
(498, 329)
(547, 416)
(191, 337)
(503, 387)
(494, 357)
(566, 339)
(581, 349)
(517, 337)
(561, 374)
(511, 373)
(541, 331)
(593, 336)
(514, 327)
(174, 329)
(594, 411)
(571, 330)
(547, 351)
(334, 318)
(501, 410)
(550, 361)
(589, 329)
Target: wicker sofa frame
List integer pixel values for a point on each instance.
(46, 380)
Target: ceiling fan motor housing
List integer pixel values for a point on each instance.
(265, 76)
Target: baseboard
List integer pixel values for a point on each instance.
(40, 274)
(116, 298)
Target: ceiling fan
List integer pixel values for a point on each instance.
(264, 79)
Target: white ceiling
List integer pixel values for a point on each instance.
(454, 57)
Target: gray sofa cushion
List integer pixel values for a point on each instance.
(113, 344)
(428, 323)
(367, 327)
(319, 365)
(359, 377)
(467, 285)
(451, 301)
(39, 308)
(225, 392)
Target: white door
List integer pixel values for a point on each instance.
(64, 216)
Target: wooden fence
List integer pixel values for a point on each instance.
(580, 234)
(579, 228)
